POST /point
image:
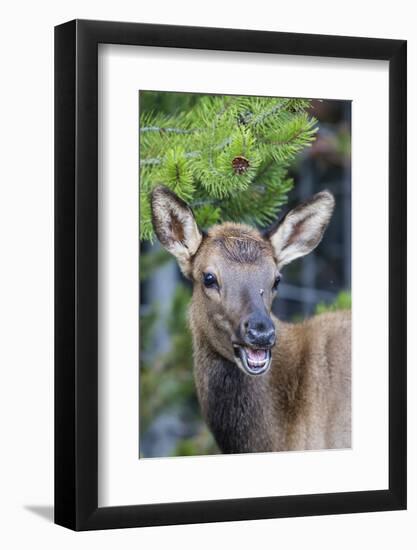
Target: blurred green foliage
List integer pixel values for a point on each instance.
(149, 262)
(343, 301)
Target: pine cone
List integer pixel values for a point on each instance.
(240, 165)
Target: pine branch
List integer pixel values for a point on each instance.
(161, 130)
(227, 156)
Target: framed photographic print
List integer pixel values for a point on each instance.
(230, 338)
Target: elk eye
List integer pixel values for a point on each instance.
(209, 280)
(276, 282)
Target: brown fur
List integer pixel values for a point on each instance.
(303, 401)
(239, 243)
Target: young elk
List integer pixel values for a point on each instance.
(263, 385)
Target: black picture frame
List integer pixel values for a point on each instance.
(76, 272)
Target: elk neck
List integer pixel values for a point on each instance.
(246, 413)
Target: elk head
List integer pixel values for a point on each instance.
(236, 270)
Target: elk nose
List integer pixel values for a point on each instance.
(259, 330)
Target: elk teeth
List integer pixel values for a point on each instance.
(254, 365)
(257, 363)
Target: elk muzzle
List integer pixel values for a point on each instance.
(257, 334)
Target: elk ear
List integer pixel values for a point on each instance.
(175, 226)
(302, 228)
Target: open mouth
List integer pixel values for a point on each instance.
(253, 361)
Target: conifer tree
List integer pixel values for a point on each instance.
(226, 156)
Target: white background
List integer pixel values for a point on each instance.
(26, 301)
(123, 479)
